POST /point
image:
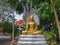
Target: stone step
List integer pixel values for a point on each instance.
(32, 39)
(31, 36)
(32, 42)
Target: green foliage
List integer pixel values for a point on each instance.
(13, 3)
(51, 34)
(57, 1)
(38, 9)
(8, 28)
(47, 13)
(48, 36)
(19, 8)
(35, 2)
(19, 5)
(4, 3)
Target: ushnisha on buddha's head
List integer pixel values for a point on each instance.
(31, 18)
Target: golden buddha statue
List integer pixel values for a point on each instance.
(31, 28)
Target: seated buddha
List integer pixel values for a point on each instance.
(31, 28)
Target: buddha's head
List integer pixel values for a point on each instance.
(31, 18)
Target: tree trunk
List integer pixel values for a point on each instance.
(13, 21)
(56, 17)
(13, 27)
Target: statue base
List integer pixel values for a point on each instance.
(32, 40)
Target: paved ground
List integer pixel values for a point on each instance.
(4, 42)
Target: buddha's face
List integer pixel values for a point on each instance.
(31, 18)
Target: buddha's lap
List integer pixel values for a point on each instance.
(35, 31)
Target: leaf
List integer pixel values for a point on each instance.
(48, 36)
(37, 10)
